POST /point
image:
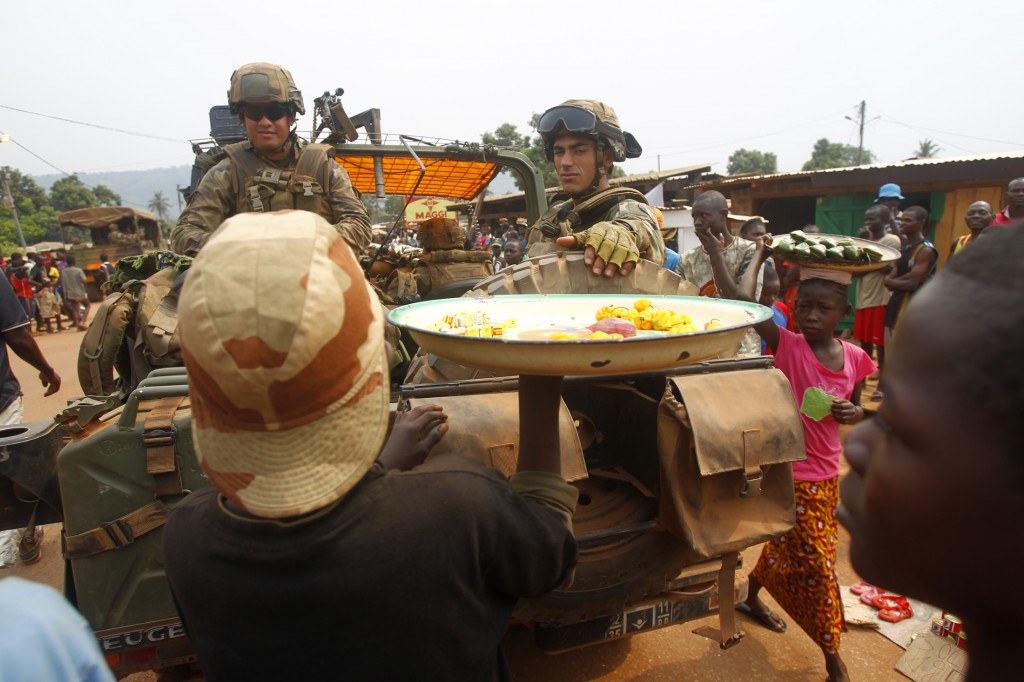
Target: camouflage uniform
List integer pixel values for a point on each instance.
(222, 194)
(629, 210)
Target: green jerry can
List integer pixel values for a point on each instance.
(119, 477)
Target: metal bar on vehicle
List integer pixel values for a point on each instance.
(503, 384)
(620, 531)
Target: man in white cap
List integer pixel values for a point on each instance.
(317, 554)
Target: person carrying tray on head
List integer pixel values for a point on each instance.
(614, 225)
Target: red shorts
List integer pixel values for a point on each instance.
(869, 325)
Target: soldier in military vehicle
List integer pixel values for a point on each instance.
(273, 169)
(444, 261)
(614, 225)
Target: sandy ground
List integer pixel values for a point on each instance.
(673, 653)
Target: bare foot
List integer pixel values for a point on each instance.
(836, 669)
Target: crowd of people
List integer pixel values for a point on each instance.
(52, 286)
(398, 567)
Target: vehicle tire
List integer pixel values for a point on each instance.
(611, 573)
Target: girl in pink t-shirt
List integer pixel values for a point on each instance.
(798, 569)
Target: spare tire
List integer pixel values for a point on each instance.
(614, 572)
(566, 273)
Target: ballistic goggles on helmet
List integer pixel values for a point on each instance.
(576, 120)
(274, 112)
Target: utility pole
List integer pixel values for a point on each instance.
(9, 203)
(860, 144)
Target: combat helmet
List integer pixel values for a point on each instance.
(263, 83)
(437, 234)
(591, 118)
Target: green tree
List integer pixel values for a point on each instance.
(159, 205)
(383, 212)
(38, 219)
(106, 196)
(507, 135)
(927, 149)
(827, 154)
(24, 187)
(70, 193)
(752, 161)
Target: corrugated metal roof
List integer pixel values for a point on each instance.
(1004, 156)
(659, 175)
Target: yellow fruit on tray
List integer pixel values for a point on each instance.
(564, 336)
(642, 304)
(645, 320)
(713, 324)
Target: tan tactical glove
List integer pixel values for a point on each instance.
(612, 243)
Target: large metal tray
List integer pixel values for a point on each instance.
(649, 351)
(891, 255)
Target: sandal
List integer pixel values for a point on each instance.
(903, 612)
(766, 618)
(868, 596)
(862, 587)
(889, 602)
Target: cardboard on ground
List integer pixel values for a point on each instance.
(931, 658)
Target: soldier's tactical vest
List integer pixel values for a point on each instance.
(266, 188)
(452, 265)
(563, 219)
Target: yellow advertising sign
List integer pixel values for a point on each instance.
(425, 209)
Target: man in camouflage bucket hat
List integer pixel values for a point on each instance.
(614, 225)
(273, 169)
(315, 557)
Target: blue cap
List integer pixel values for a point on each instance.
(889, 191)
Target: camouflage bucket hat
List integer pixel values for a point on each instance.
(441, 233)
(284, 344)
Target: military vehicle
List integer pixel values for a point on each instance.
(116, 231)
(678, 469)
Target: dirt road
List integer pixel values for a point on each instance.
(673, 653)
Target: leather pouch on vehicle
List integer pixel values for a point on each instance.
(726, 442)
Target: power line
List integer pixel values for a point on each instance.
(95, 125)
(59, 170)
(947, 132)
(746, 139)
(64, 172)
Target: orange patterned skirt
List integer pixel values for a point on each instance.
(798, 568)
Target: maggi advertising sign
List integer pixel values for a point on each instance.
(425, 209)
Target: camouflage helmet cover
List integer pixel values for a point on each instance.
(623, 144)
(263, 83)
(441, 233)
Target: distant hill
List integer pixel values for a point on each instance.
(135, 187)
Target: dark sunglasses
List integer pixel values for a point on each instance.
(274, 112)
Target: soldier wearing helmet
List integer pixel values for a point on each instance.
(444, 261)
(273, 169)
(614, 225)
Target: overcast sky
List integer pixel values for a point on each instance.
(692, 81)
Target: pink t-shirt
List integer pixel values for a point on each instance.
(796, 360)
